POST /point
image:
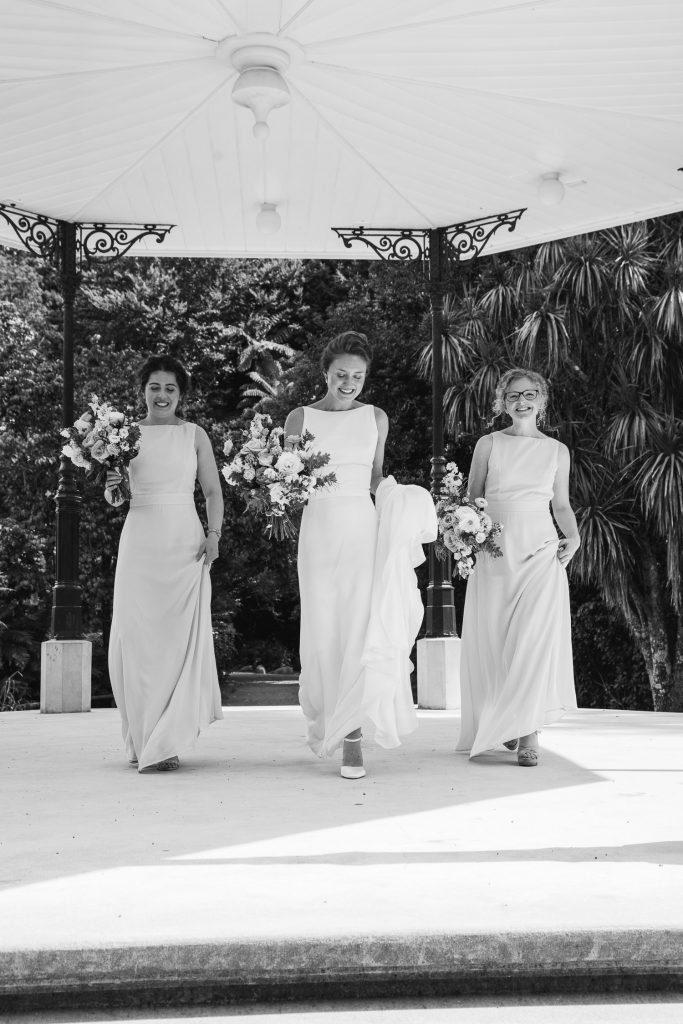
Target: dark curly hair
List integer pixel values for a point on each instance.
(166, 364)
(349, 343)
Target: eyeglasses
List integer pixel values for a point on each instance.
(514, 396)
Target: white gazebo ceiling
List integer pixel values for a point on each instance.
(402, 114)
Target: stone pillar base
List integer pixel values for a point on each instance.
(438, 673)
(65, 676)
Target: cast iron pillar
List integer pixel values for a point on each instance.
(439, 250)
(440, 610)
(66, 619)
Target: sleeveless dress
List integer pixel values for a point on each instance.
(516, 657)
(161, 658)
(335, 562)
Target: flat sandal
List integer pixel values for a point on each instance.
(527, 757)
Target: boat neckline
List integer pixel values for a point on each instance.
(528, 437)
(337, 411)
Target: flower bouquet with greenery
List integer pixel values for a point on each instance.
(103, 439)
(465, 528)
(275, 480)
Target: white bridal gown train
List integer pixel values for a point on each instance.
(161, 658)
(516, 661)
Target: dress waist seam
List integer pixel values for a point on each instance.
(142, 500)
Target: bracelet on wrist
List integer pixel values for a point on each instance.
(217, 532)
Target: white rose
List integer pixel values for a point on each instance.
(269, 474)
(249, 473)
(468, 520)
(289, 464)
(123, 432)
(480, 538)
(480, 502)
(255, 444)
(265, 459)
(277, 495)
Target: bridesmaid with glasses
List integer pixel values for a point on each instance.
(516, 671)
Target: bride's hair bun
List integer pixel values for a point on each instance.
(348, 343)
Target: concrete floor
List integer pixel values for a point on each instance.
(257, 862)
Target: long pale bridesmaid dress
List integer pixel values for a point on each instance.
(335, 561)
(161, 657)
(516, 662)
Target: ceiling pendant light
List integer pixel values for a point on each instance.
(260, 85)
(551, 189)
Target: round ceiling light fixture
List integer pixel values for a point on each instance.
(551, 189)
(268, 220)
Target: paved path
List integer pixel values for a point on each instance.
(256, 865)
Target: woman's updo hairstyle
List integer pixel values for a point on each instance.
(165, 364)
(512, 375)
(348, 343)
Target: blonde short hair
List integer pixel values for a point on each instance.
(514, 374)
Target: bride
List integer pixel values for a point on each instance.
(337, 551)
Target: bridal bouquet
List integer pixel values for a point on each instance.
(102, 439)
(465, 528)
(275, 481)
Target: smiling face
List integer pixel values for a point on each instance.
(523, 399)
(345, 377)
(162, 395)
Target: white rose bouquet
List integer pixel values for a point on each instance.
(275, 480)
(465, 528)
(103, 439)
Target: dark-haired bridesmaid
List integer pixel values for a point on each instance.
(161, 657)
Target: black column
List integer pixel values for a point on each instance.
(66, 623)
(440, 616)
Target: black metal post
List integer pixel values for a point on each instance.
(66, 621)
(440, 612)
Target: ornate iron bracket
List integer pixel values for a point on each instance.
(462, 241)
(97, 241)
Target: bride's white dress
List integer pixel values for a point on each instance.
(516, 662)
(335, 561)
(161, 657)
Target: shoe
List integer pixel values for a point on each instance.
(169, 765)
(356, 771)
(511, 744)
(527, 757)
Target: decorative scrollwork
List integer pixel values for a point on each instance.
(110, 241)
(404, 245)
(468, 239)
(462, 241)
(36, 233)
(40, 235)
